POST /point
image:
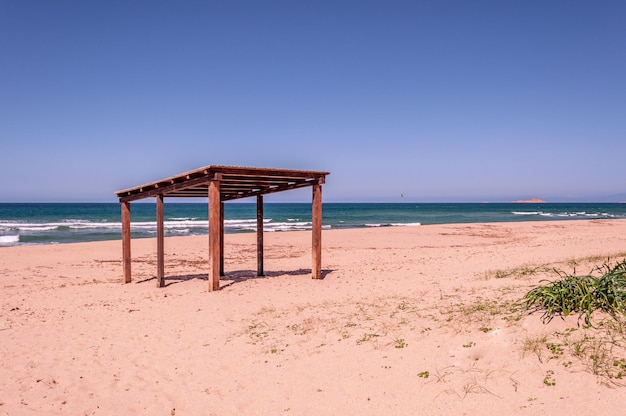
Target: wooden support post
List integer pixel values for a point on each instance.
(126, 240)
(160, 243)
(316, 214)
(259, 235)
(215, 225)
(221, 239)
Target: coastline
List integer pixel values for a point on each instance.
(34, 224)
(395, 303)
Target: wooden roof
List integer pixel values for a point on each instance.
(235, 183)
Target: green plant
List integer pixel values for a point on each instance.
(581, 294)
(620, 368)
(549, 380)
(400, 343)
(555, 349)
(423, 374)
(600, 348)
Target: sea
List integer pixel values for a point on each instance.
(57, 223)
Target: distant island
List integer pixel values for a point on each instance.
(529, 201)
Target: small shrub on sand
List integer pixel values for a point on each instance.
(582, 294)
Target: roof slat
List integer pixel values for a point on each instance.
(235, 183)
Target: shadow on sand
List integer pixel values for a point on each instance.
(234, 277)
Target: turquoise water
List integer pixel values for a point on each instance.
(23, 224)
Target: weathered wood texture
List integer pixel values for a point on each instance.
(259, 235)
(126, 258)
(222, 239)
(215, 231)
(316, 215)
(160, 213)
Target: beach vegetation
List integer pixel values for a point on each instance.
(423, 374)
(475, 388)
(594, 259)
(600, 349)
(482, 312)
(555, 349)
(604, 289)
(367, 337)
(535, 345)
(600, 346)
(401, 343)
(519, 272)
(600, 353)
(549, 380)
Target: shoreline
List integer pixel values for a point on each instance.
(406, 320)
(324, 230)
(68, 223)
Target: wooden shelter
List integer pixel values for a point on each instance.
(219, 184)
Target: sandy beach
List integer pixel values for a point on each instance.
(407, 320)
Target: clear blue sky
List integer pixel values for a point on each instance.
(436, 100)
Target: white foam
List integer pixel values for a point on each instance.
(9, 239)
(243, 223)
(287, 226)
(50, 226)
(37, 227)
(182, 231)
(395, 224)
(185, 224)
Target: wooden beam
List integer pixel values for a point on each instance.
(126, 240)
(265, 191)
(153, 190)
(259, 235)
(221, 239)
(268, 172)
(160, 243)
(246, 177)
(215, 225)
(316, 215)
